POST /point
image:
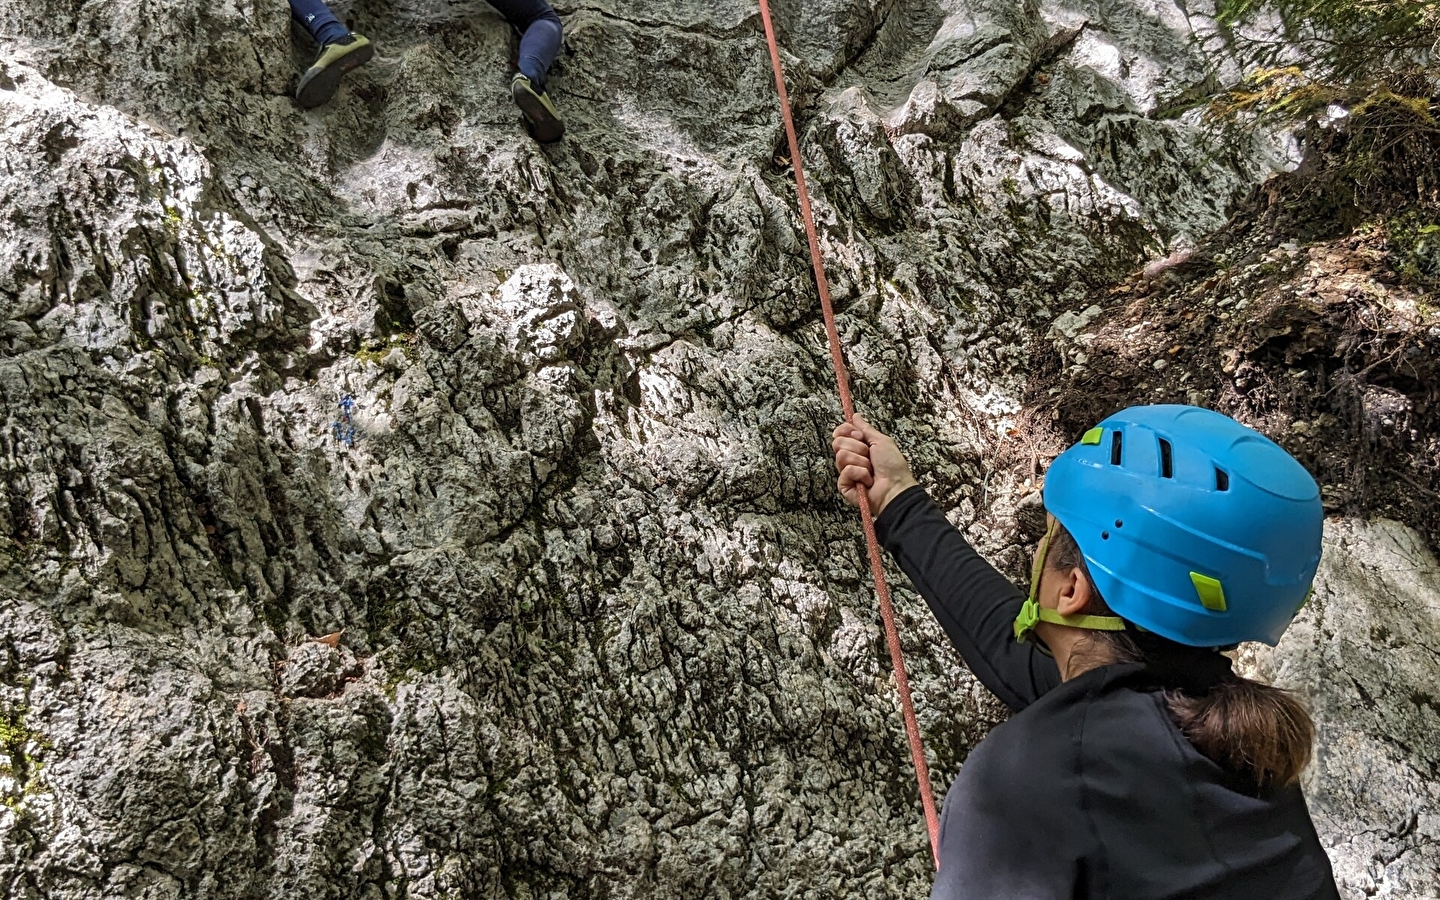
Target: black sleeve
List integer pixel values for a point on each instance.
(973, 602)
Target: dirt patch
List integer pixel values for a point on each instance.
(1328, 346)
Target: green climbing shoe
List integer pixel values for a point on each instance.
(540, 113)
(322, 79)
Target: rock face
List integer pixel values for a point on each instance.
(1363, 652)
(393, 507)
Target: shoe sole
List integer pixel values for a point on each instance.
(544, 127)
(326, 82)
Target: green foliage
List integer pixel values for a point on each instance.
(1379, 42)
(1415, 241)
(1358, 76)
(17, 741)
(374, 350)
(1365, 56)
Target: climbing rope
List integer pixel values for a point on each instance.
(842, 382)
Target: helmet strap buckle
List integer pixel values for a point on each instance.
(1032, 613)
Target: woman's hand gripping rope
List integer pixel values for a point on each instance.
(865, 457)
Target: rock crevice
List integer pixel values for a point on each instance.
(390, 507)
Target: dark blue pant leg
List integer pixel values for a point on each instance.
(540, 34)
(318, 20)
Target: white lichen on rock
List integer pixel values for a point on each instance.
(542, 434)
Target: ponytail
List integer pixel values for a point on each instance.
(1247, 727)
(1244, 726)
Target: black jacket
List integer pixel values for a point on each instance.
(1089, 790)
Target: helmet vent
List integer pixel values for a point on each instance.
(1115, 448)
(1222, 480)
(1167, 469)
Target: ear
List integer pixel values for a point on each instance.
(1075, 593)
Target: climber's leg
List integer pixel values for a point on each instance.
(318, 20)
(540, 35)
(340, 52)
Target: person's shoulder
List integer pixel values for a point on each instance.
(1101, 709)
(1026, 768)
(1119, 700)
(1108, 709)
(1127, 727)
(1044, 731)
(1018, 766)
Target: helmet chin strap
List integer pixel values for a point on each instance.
(1032, 613)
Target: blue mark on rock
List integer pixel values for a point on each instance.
(344, 429)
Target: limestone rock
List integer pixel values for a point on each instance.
(543, 431)
(1362, 653)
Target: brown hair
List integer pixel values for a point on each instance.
(1245, 726)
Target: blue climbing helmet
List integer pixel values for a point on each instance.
(1192, 525)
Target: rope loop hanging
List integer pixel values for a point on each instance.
(867, 519)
